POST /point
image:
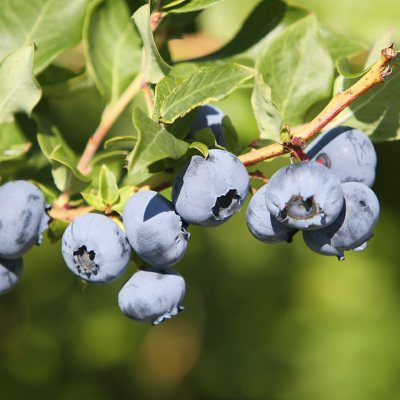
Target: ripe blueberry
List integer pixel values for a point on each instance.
(262, 224)
(347, 152)
(154, 230)
(209, 116)
(23, 218)
(354, 226)
(208, 191)
(305, 195)
(95, 248)
(152, 295)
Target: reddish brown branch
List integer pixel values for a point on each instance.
(377, 73)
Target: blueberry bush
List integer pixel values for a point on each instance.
(118, 151)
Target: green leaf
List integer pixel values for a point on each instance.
(209, 83)
(63, 160)
(124, 194)
(230, 136)
(205, 136)
(154, 143)
(265, 17)
(94, 200)
(381, 43)
(53, 26)
(15, 151)
(155, 67)
(182, 126)
(113, 48)
(19, 91)
(115, 161)
(198, 148)
(13, 144)
(163, 89)
(344, 68)
(107, 156)
(167, 4)
(298, 68)
(108, 187)
(120, 141)
(56, 230)
(377, 112)
(341, 46)
(182, 6)
(266, 113)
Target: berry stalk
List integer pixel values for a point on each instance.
(377, 74)
(110, 115)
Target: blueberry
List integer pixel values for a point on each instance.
(348, 152)
(208, 191)
(262, 224)
(154, 230)
(95, 248)
(209, 116)
(23, 218)
(305, 195)
(152, 295)
(10, 272)
(354, 226)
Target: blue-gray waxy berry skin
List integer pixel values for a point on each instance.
(209, 116)
(10, 272)
(95, 248)
(354, 226)
(305, 195)
(154, 230)
(208, 191)
(152, 295)
(23, 218)
(347, 152)
(262, 224)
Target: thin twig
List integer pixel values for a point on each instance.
(110, 115)
(377, 74)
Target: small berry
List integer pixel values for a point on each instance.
(354, 226)
(154, 230)
(152, 295)
(95, 248)
(305, 195)
(347, 152)
(23, 218)
(262, 224)
(208, 191)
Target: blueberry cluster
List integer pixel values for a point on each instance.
(207, 192)
(23, 218)
(328, 198)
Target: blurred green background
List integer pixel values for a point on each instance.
(261, 322)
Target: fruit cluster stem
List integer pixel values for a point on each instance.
(376, 74)
(300, 134)
(113, 111)
(110, 115)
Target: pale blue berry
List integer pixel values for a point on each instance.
(208, 191)
(154, 230)
(152, 295)
(95, 248)
(23, 218)
(354, 226)
(305, 195)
